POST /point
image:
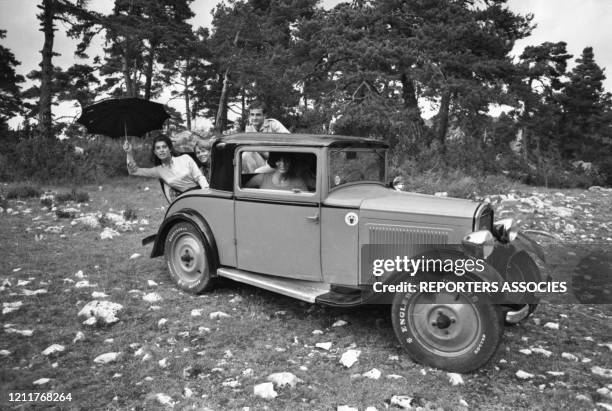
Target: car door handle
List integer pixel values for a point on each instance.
(313, 218)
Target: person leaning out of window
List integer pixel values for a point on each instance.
(180, 173)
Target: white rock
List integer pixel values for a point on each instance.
(523, 375)
(23, 283)
(53, 348)
(164, 399)
(107, 357)
(10, 307)
(237, 299)
(102, 312)
(34, 292)
(604, 405)
(395, 377)
(187, 392)
(152, 297)
(605, 392)
(90, 321)
(25, 333)
(569, 356)
(402, 401)
(339, 323)
(265, 391)
(90, 221)
(602, 372)
(463, 403)
(583, 397)
(317, 332)
(608, 345)
(281, 379)
(218, 315)
(248, 372)
(551, 325)
(231, 383)
(373, 374)
(162, 322)
(135, 256)
(540, 350)
(349, 358)
(98, 294)
(196, 312)
(4, 353)
(454, 378)
(79, 274)
(41, 381)
(84, 284)
(151, 283)
(555, 373)
(228, 354)
(108, 234)
(324, 346)
(163, 363)
(525, 351)
(346, 408)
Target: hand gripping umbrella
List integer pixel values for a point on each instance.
(123, 117)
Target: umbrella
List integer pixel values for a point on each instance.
(123, 117)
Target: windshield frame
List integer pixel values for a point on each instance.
(332, 150)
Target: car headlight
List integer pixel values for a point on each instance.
(505, 230)
(479, 244)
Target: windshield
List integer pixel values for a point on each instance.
(350, 165)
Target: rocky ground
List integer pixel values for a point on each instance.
(84, 312)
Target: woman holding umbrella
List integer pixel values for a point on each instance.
(180, 173)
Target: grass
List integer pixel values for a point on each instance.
(266, 332)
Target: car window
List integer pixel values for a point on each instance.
(278, 170)
(352, 165)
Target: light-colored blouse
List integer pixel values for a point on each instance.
(181, 174)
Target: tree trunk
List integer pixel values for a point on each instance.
(44, 115)
(221, 118)
(443, 116)
(149, 72)
(125, 67)
(186, 96)
(412, 105)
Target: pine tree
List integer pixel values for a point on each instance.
(587, 107)
(10, 99)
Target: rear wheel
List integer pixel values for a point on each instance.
(457, 332)
(188, 257)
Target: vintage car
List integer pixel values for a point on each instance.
(313, 236)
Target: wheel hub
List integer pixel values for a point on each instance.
(187, 258)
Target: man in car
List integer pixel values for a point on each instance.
(258, 123)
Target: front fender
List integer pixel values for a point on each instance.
(190, 216)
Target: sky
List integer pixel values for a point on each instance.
(580, 23)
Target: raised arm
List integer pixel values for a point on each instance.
(133, 168)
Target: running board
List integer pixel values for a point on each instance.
(302, 290)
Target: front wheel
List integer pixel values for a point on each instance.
(188, 258)
(457, 332)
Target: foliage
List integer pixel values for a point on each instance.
(78, 196)
(23, 191)
(9, 90)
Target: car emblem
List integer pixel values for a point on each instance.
(351, 219)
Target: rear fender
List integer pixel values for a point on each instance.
(193, 217)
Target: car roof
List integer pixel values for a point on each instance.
(301, 140)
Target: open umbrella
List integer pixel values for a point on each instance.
(123, 117)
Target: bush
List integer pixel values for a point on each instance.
(23, 191)
(74, 195)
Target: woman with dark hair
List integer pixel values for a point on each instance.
(178, 172)
(282, 178)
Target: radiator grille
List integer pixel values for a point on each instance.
(406, 235)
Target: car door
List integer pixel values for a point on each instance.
(278, 231)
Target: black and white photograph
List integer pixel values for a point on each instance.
(345, 205)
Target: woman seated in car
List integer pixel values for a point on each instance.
(283, 176)
(180, 173)
(202, 154)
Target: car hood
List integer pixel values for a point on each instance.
(371, 197)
